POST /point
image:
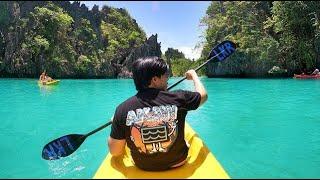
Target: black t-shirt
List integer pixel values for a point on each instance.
(152, 122)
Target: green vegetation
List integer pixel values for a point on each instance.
(120, 34)
(279, 33)
(66, 40)
(179, 64)
(4, 15)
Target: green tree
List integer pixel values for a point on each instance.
(4, 15)
(65, 39)
(292, 20)
(4, 21)
(85, 38)
(174, 54)
(180, 66)
(243, 23)
(121, 33)
(83, 65)
(279, 33)
(51, 24)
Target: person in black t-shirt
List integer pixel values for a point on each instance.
(151, 123)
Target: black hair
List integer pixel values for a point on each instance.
(144, 69)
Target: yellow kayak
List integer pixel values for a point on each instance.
(201, 164)
(53, 82)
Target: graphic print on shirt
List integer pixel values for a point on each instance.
(153, 129)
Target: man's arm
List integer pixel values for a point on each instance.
(116, 146)
(192, 75)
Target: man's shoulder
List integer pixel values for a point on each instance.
(127, 103)
(178, 92)
(184, 94)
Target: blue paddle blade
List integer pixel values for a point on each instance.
(62, 147)
(222, 51)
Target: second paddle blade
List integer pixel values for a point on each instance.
(62, 147)
(222, 51)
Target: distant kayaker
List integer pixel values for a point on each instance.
(42, 76)
(48, 78)
(152, 122)
(315, 72)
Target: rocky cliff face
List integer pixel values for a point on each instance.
(240, 65)
(18, 60)
(13, 62)
(150, 48)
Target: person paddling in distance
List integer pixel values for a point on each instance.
(48, 78)
(315, 72)
(42, 76)
(152, 121)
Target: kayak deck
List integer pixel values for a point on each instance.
(200, 164)
(53, 82)
(304, 76)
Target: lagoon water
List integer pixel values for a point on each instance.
(256, 128)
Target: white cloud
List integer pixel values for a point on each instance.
(191, 53)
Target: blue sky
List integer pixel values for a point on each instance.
(177, 23)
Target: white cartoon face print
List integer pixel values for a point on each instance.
(154, 129)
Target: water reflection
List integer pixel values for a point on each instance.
(46, 89)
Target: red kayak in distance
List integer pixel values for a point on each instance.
(306, 76)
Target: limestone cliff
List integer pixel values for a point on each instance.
(69, 41)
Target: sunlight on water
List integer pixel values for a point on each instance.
(73, 165)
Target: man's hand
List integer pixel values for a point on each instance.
(191, 74)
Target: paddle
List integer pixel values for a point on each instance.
(66, 145)
(217, 54)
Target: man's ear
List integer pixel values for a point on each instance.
(155, 79)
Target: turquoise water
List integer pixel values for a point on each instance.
(256, 128)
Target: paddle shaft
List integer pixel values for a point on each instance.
(98, 129)
(66, 145)
(49, 153)
(173, 85)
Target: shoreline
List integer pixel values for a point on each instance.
(215, 77)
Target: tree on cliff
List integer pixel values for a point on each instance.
(268, 34)
(179, 64)
(67, 40)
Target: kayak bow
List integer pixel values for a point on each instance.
(53, 82)
(200, 164)
(305, 76)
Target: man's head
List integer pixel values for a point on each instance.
(150, 72)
